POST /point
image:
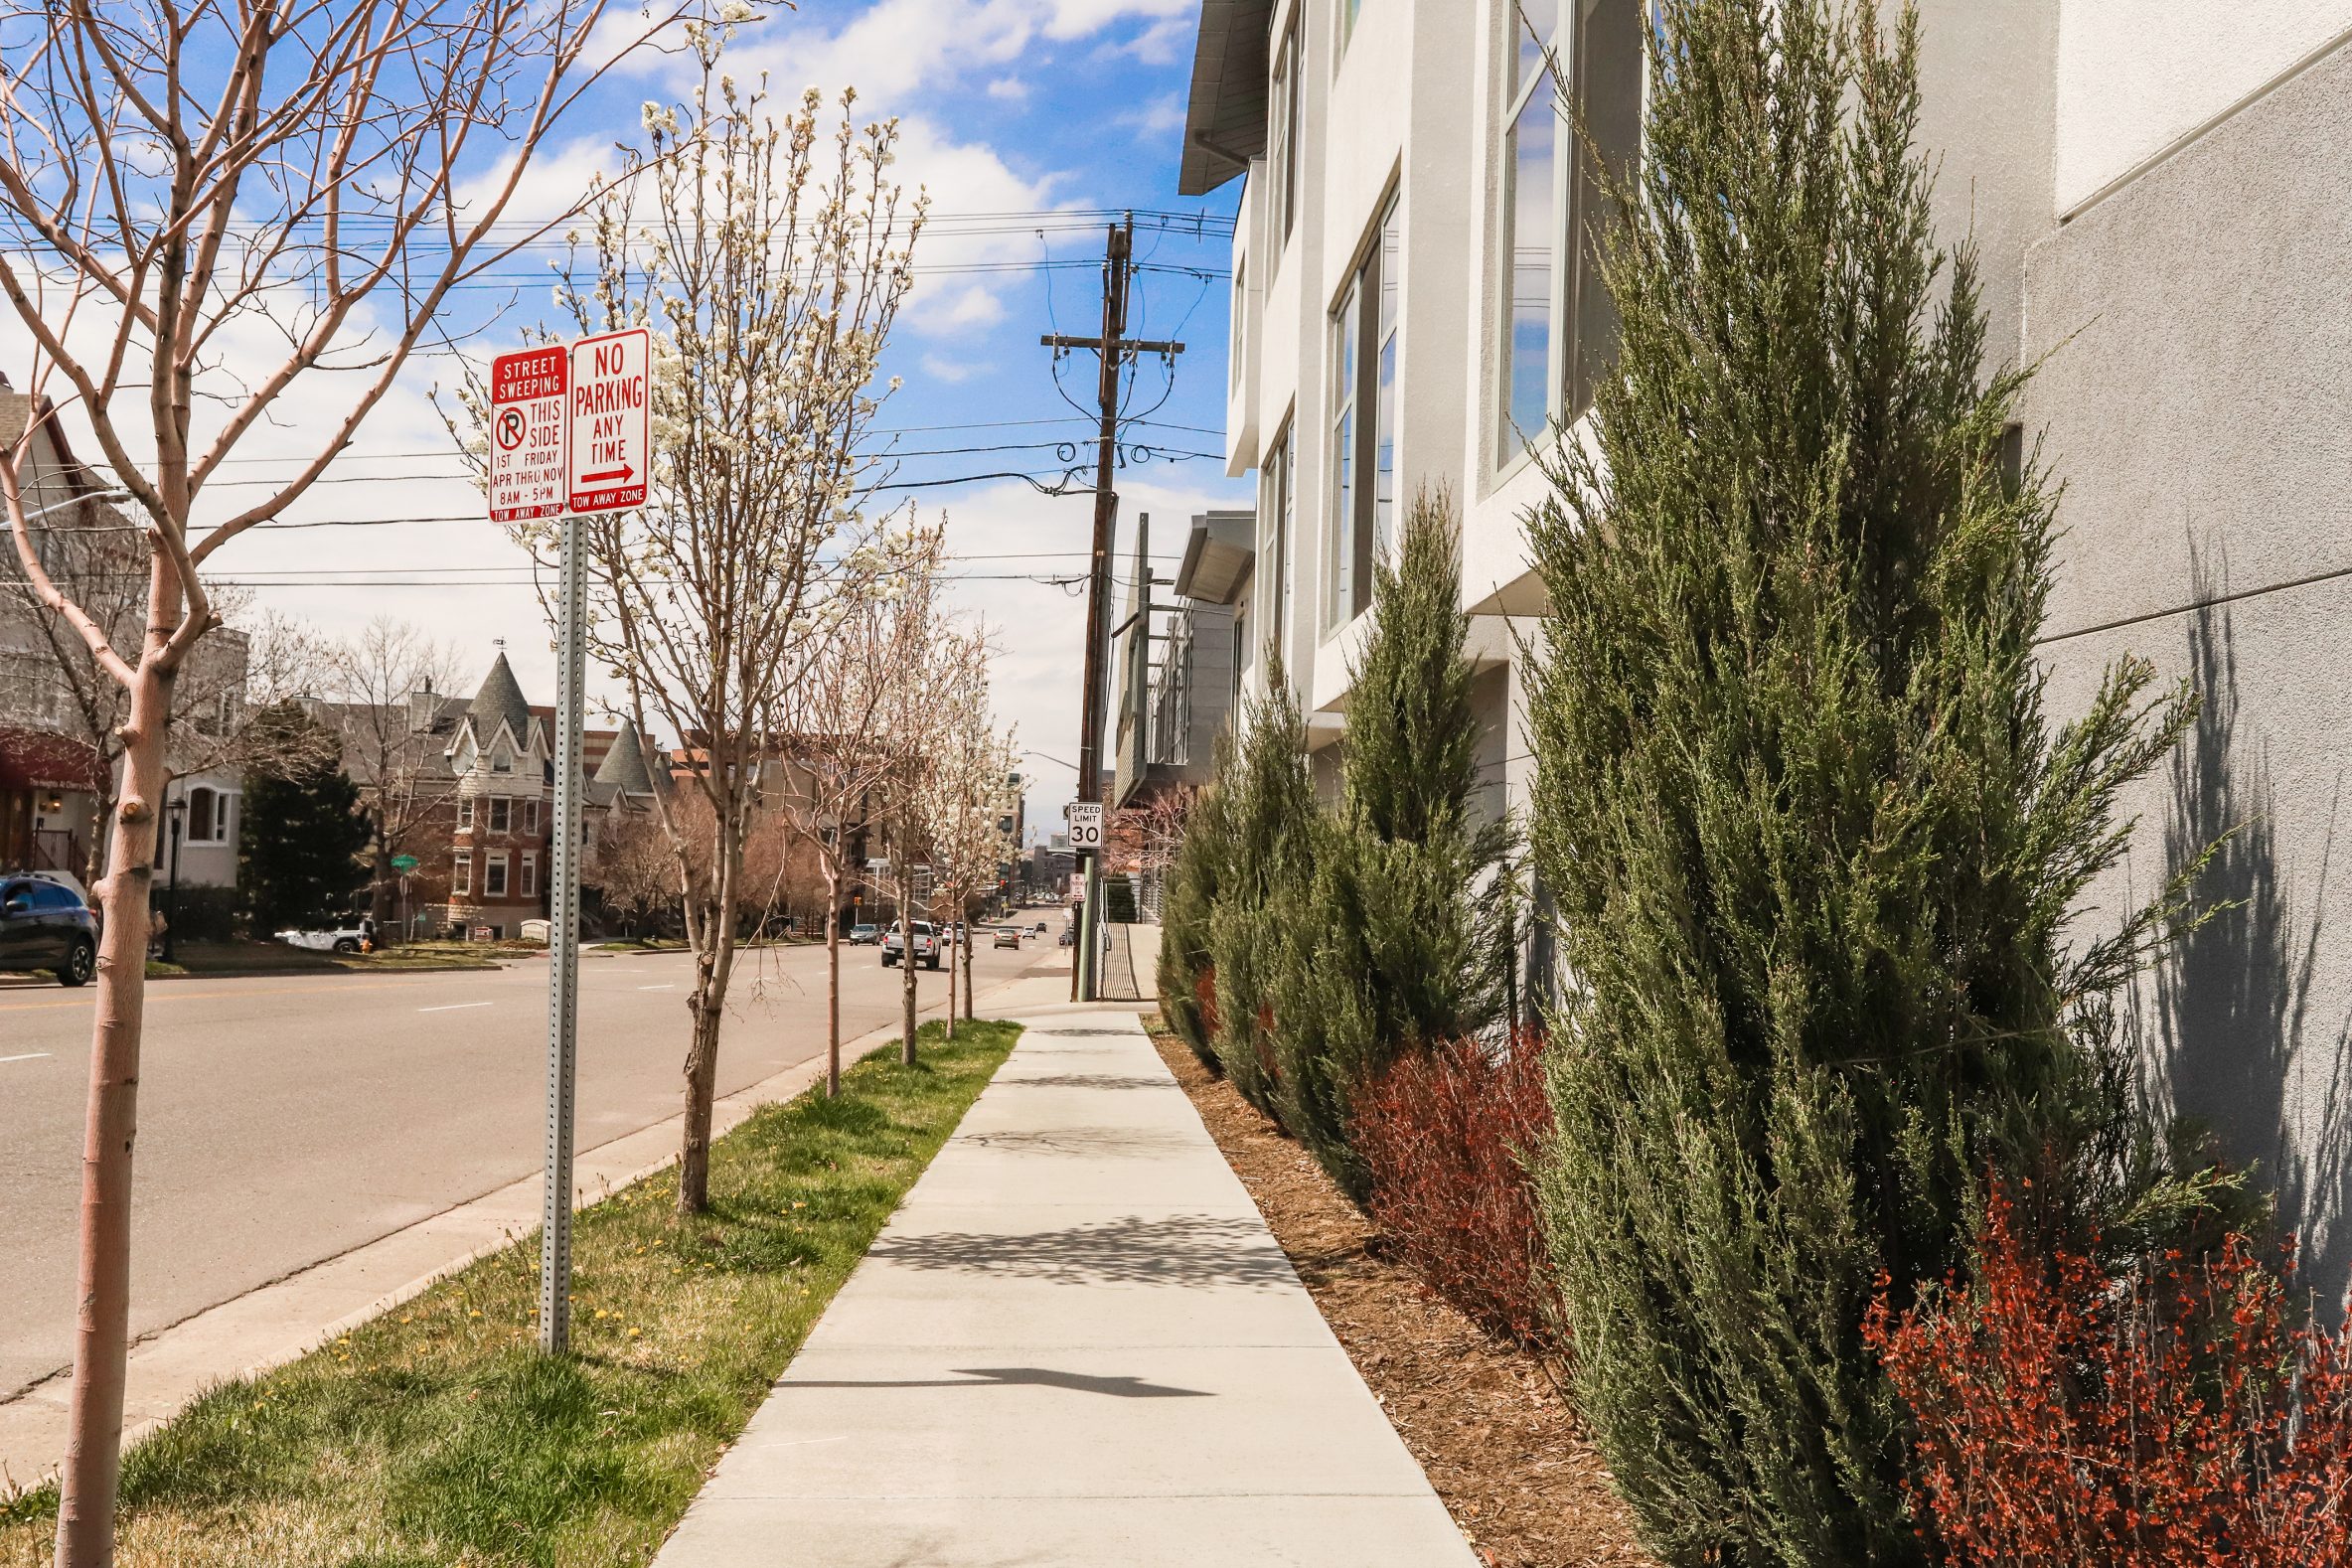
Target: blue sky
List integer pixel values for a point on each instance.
(1028, 121)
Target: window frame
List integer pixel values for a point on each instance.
(1575, 200)
(1368, 349)
(494, 875)
(465, 814)
(461, 875)
(530, 874)
(502, 814)
(1282, 136)
(530, 816)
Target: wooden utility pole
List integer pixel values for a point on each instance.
(1115, 349)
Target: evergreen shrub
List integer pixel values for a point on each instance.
(1269, 819)
(1186, 978)
(1382, 941)
(1811, 838)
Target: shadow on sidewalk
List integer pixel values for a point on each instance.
(1183, 1249)
(1008, 1378)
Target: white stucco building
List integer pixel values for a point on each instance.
(2160, 194)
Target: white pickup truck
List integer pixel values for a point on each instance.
(357, 937)
(926, 945)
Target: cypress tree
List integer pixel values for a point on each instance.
(1185, 974)
(1269, 819)
(1811, 838)
(1381, 950)
(301, 829)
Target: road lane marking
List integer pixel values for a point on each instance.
(169, 992)
(665, 986)
(31, 1056)
(458, 1006)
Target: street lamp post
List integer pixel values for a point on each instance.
(171, 917)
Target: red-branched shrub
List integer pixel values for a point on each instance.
(1448, 1135)
(2171, 1414)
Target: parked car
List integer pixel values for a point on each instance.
(44, 924)
(865, 935)
(926, 945)
(1008, 936)
(356, 936)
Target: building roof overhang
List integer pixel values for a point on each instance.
(1214, 568)
(1225, 121)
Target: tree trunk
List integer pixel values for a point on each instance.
(906, 963)
(711, 930)
(951, 986)
(832, 982)
(93, 1423)
(967, 982)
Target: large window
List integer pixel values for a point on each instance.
(1558, 331)
(1282, 136)
(494, 875)
(461, 875)
(1363, 423)
(1273, 545)
(501, 813)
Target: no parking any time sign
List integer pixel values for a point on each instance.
(611, 386)
(526, 434)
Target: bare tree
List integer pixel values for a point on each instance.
(635, 868)
(836, 709)
(386, 683)
(176, 182)
(1145, 839)
(769, 262)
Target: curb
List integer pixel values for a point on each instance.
(265, 1328)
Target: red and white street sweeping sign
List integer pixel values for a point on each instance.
(526, 434)
(611, 386)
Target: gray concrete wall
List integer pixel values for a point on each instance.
(2197, 401)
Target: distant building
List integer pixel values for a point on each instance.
(478, 776)
(1171, 708)
(54, 699)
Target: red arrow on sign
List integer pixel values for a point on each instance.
(621, 473)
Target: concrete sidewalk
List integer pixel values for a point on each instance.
(1077, 1343)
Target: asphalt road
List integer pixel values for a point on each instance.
(286, 1119)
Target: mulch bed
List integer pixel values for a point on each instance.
(1486, 1421)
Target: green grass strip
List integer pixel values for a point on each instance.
(437, 1435)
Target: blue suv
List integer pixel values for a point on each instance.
(46, 925)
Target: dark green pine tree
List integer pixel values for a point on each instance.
(1269, 821)
(1186, 976)
(302, 830)
(1811, 838)
(1382, 948)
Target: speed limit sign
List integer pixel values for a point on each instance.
(1086, 825)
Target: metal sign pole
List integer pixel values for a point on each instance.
(564, 935)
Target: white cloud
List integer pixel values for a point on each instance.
(1164, 43)
(1009, 89)
(954, 372)
(1162, 117)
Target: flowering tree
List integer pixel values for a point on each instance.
(964, 804)
(839, 753)
(178, 184)
(768, 261)
(911, 723)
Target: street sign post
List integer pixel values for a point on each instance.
(590, 401)
(1086, 825)
(526, 434)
